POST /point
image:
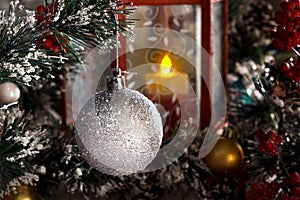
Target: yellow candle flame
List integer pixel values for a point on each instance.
(166, 66)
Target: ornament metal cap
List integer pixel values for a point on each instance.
(115, 82)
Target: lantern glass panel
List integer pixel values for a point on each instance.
(150, 46)
(166, 54)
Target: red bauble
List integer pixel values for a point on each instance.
(289, 74)
(285, 67)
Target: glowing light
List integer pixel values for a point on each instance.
(231, 158)
(166, 66)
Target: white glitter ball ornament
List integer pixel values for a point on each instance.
(119, 131)
(9, 93)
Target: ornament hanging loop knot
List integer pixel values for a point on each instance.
(116, 72)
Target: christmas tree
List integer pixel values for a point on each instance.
(257, 156)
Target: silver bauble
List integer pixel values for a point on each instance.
(9, 93)
(119, 132)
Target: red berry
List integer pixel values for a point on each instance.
(52, 37)
(255, 186)
(40, 18)
(283, 5)
(296, 79)
(47, 43)
(295, 38)
(262, 148)
(298, 89)
(278, 17)
(262, 190)
(296, 76)
(288, 46)
(296, 190)
(250, 194)
(290, 27)
(274, 185)
(294, 178)
(270, 146)
(284, 67)
(297, 21)
(290, 5)
(294, 198)
(271, 135)
(289, 74)
(283, 196)
(287, 35)
(278, 139)
(278, 44)
(274, 152)
(41, 9)
(287, 15)
(297, 3)
(281, 30)
(289, 41)
(296, 70)
(294, 14)
(297, 64)
(55, 48)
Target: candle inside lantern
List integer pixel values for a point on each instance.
(163, 86)
(168, 80)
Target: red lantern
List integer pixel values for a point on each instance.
(210, 25)
(205, 22)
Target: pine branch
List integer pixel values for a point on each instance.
(20, 60)
(76, 26)
(65, 165)
(86, 24)
(19, 143)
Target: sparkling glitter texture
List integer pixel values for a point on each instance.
(119, 132)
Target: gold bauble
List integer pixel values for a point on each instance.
(226, 156)
(23, 192)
